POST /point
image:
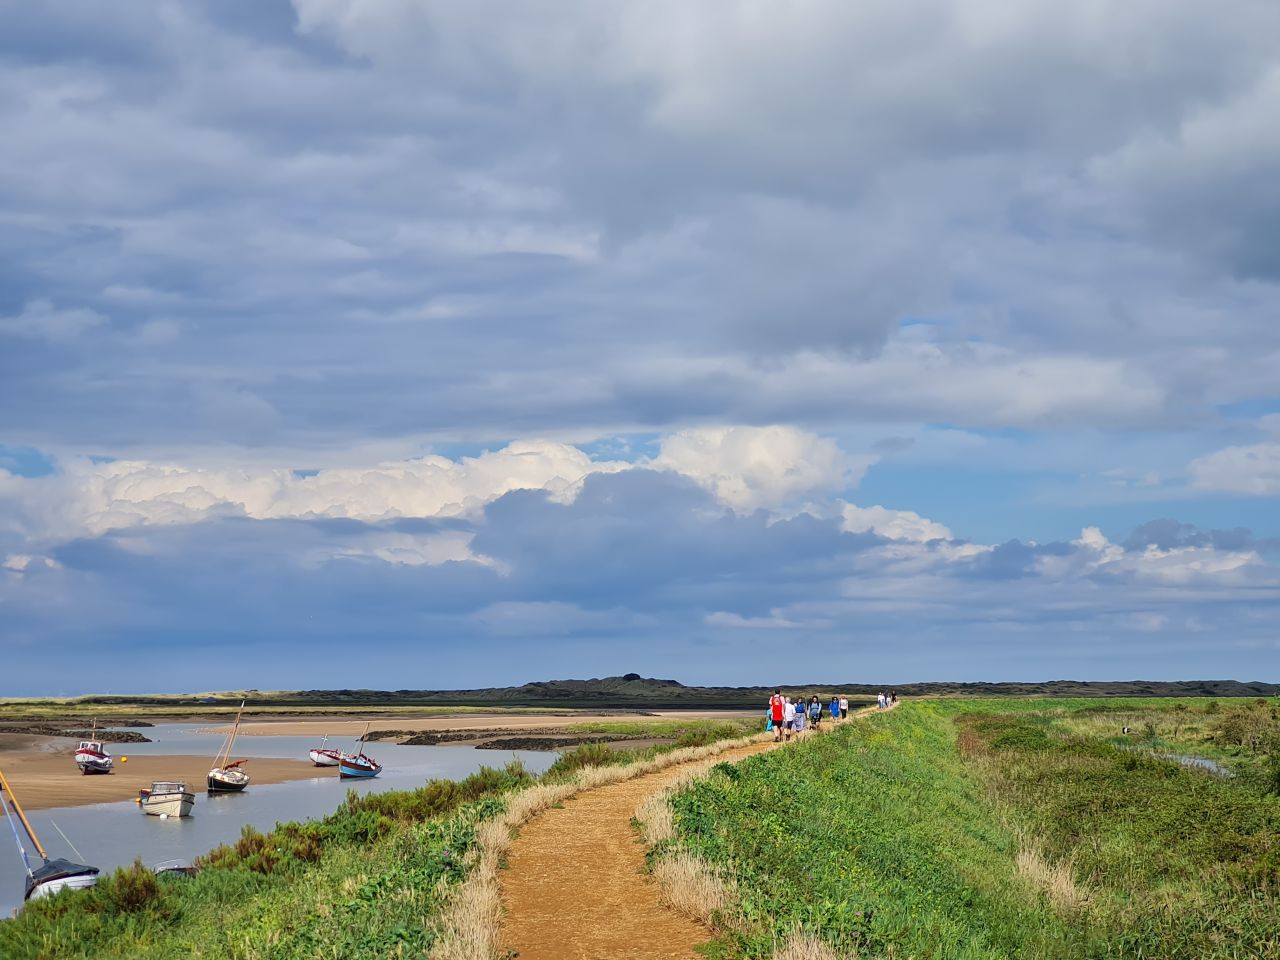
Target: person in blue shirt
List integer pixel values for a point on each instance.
(815, 711)
(835, 708)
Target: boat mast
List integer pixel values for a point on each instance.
(224, 756)
(26, 825)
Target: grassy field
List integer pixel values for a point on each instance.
(366, 883)
(997, 829)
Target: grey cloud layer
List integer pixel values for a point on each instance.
(263, 225)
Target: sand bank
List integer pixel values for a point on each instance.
(42, 779)
(338, 728)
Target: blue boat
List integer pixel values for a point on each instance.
(357, 764)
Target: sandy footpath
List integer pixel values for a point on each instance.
(346, 727)
(42, 779)
(617, 912)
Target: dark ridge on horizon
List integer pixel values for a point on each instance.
(633, 690)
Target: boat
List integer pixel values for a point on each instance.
(54, 874)
(322, 756)
(358, 764)
(228, 777)
(167, 798)
(91, 755)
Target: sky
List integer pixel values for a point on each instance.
(414, 344)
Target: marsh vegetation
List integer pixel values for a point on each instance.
(993, 829)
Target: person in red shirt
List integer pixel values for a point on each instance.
(776, 712)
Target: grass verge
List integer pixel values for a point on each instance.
(982, 831)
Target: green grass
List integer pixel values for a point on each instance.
(899, 836)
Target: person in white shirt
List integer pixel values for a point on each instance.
(788, 717)
(844, 708)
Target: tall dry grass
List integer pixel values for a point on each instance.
(690, 886)
(805, 946)
(470, 921)
(1055, 880)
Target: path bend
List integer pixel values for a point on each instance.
(575, 886)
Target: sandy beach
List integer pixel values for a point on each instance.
(44, 779)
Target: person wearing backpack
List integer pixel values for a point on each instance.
(815, 712)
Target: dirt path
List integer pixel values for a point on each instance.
(575, 887)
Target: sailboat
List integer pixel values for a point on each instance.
(54, 874)
(357, 764)
(228, 777)
(323, 756)
(91, 755)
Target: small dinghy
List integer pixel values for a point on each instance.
(227, 777)
(92, 756)
(167, 798)
(53, 875)
(357, 764)
(322, 756)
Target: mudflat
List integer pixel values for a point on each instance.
(44, 779)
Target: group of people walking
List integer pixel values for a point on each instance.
(785, 716)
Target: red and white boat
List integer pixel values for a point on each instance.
(324, 757)
(92, 756)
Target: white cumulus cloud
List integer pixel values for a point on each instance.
(893, 524)
(753, 467)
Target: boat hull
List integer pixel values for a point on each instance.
(92, 757)
(227, 780)
(214, 785)
(57, 875)
(169, 804)
(49, 888)
(324, 758)
(353, 768)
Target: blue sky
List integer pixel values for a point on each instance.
(401, 343)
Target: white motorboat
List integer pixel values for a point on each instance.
(167, 798)
(52, 876)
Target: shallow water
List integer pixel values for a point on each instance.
(1202, 763)
(109, 835)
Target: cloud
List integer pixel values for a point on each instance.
(892, 524)
(268, 269)
(1253, 469)
(751, 467)
(641, 566)
(40, 319)
(745, 467)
